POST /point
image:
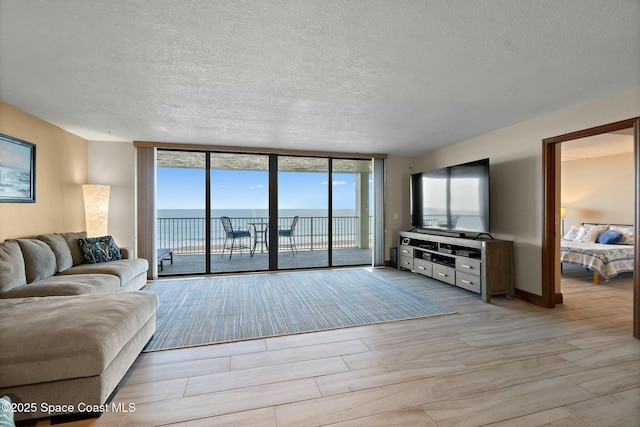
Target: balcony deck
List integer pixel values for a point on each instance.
(243, 262)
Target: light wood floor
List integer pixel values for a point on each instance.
(508, 363)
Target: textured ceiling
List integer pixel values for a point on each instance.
(400, 76)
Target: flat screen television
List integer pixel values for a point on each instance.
(455, 198)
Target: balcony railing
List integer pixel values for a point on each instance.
(187, 235)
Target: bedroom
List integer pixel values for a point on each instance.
(597, 176)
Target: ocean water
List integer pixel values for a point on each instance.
(14, 182)
(184, 229)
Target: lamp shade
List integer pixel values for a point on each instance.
(96, 209)
(563, 212)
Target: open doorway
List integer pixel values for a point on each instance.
(597, 217)
(551, 294)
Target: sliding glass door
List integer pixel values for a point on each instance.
(352, 208)
(236, 212)
(303, 212)
(239, 212)
(181, 233)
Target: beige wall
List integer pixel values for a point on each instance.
(598, 190)
(114, 163)
(516, 173)
(397, 173)
(61, 169)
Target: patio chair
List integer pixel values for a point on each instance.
(161, 256)
(289, 233)
(230, 233)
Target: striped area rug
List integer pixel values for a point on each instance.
(199, 311)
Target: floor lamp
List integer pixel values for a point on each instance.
(563, 215)
(96, 209)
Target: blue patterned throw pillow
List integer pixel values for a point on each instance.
(6, 412)
(99, 249)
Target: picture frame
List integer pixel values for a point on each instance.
(17, 170)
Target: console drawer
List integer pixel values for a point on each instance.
(468, 281)
(445, 274)
(468, 266)
(406, 262)
(423, 267)
(406, 250)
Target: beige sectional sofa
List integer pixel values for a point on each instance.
(54, 265)
(69, 330)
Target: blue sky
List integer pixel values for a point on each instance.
(184, 189)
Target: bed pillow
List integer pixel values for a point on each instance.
(573, 233)
(609, 237)
(591, 234)
(627, 234)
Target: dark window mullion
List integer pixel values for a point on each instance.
(207, 213)
(330, 214)
(273, 212)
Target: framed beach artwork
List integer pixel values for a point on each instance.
(17, 170)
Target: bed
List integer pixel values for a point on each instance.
(604, 249)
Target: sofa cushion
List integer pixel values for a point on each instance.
(58, 338)
(60, 249)
(125, 269)
(39, 259)
(77, 284)
(12, 273)
(99, 249)
(72, 242)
